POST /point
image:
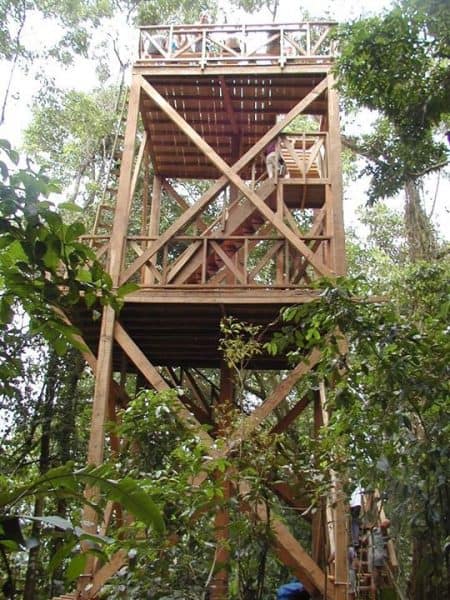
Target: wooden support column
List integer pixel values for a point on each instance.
(104, 357)
(97, 433)
(335, 218)
(219, 584)
(338, 512)
(153, 230)
(318, 544)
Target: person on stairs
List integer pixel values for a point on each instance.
(274, 163)
(356, 502)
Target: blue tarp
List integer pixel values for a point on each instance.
(290, 591)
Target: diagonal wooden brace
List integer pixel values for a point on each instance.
(233, 177)
(196, 208)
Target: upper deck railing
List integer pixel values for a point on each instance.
(212, 45)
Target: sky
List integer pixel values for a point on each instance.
(82, 76)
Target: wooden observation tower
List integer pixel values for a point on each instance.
(208, 103)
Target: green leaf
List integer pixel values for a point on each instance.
(84, 275)
(61, 554)
(128, 493)
(74, 231)
(53, 521)
(70, 206)
(127, 288)
(76, 567)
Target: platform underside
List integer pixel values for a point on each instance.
(230, 112)
(187, 334)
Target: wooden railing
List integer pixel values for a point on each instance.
(226, 261)
(305, 155)
(210, 45)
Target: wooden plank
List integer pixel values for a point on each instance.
(265, 259)
(138, 164)
(219, 585)
(151, 273)
(228, 262)
(153, 228)
(214, 190)
(100, 407)
(181, 201)
(337, 510)
(274, 399)
(335, 175)
(248, 295)
(292, 497)
(291, 415)
(196, 390)
(229, 107)
(122, 213)
(118, 560)
(186, 70)
(199, 412)
(318, 519)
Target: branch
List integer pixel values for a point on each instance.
(352, 144)
(435, 167)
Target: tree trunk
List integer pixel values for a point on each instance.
(422, 243)
(32, 574)
(66, 440)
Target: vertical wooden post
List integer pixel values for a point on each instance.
(219, 584)
(122, 212)
(153, 230)
(104, 357)
(338, 512)
(335, 219)
(280, 256)
(317, 519)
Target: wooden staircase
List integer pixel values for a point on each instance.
(242, 220)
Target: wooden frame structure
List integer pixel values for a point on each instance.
(211, 100)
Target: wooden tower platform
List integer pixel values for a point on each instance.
(207, 103)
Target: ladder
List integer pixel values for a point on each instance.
(104, 215)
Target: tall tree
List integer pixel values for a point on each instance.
(397, 64)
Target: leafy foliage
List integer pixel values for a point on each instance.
(397, 64)
(388, 395)
(43, 265)
(72, 133)
(65, 481)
